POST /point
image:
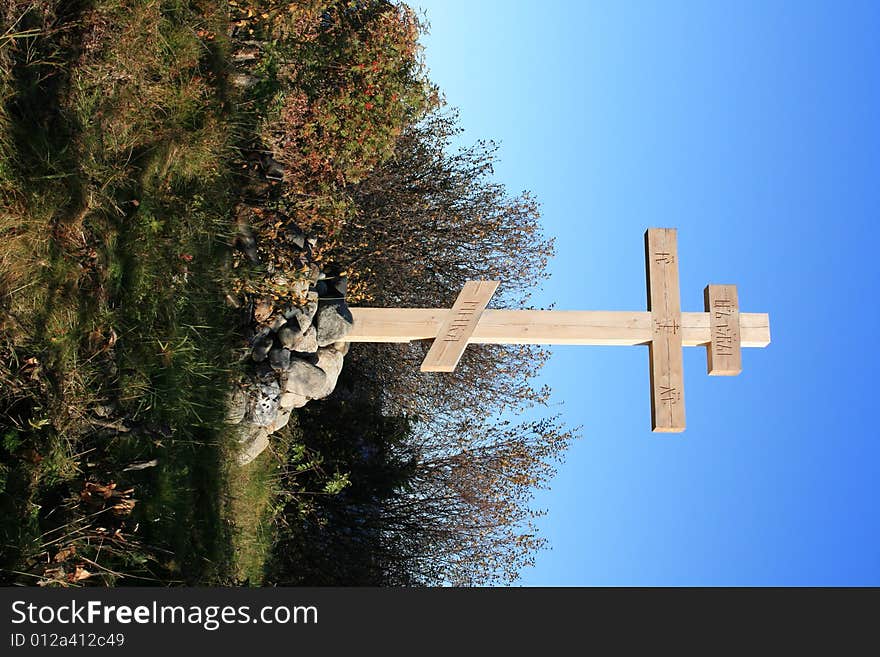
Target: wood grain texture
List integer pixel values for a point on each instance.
(664, 303)
(576, 327)
(458, 326)
(722, 329)
(723, 353)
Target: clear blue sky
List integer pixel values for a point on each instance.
(754, 128)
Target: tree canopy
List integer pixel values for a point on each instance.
(423, 220)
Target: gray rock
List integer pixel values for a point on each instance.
(243, 80)
(277, 322)
(295, 236)
(236, 405)
(268, 384)
(289, 336)
(308, 344)
(311, 359)
(297, 316)
(272, 169)
(333, 322)
(256, 334)
(279, 359)
(281, 420)
(301, 343)
(341, 285)
(299, 288)
(246, 432)
(292, 400)
(265, 402)
(303, 314)
(305, 379)
(330, 361)
(275, 171)
(322, 288)
(254, 443)
(262, 345)
(342, 347)
(311, 307)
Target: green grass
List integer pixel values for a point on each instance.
(118, 147)
(114, 139)
(255, 504)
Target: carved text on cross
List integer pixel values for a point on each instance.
(461, 321)
(666, 327)
(669, 395)
(722, 329)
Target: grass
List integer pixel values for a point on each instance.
(254, 506)
(250, 503)
(114, 338)
(119, 173)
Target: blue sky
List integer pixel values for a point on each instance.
(754, 128)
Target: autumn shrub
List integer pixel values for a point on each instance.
(344, 79)
(363, 74)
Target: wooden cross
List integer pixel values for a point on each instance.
(721, 328)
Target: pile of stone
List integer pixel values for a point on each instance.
(296, 355)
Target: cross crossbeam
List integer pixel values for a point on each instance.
(722, 329)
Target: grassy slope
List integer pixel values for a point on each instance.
(254, 505)
(114, 210)
(117, 129)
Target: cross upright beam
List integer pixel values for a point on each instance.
(722, 328)
(664, 349)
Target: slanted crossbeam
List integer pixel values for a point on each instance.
(722, 328)
(458, 325)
